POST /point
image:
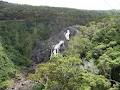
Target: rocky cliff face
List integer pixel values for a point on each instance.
(43, 49)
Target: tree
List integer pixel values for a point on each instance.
(7, 69)
(66, 73)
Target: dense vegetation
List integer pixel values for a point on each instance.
(7, 68)
(98, 43)
(22, 25)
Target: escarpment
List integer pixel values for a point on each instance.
(44, 49)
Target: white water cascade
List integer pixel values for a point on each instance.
(67, 35)
(57, 47)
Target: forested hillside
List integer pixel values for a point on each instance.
(21, 26)
(91, 62)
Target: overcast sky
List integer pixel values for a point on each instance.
(79, 4)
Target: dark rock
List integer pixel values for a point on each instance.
(115, 73)
(41, 52)
(43, 49)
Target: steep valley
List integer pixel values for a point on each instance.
(88, 60)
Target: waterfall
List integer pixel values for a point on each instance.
(67, 35)
(56, 48)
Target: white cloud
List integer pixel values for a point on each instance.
(79, 4)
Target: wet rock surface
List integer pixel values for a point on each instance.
(43, 49)
(41, 52)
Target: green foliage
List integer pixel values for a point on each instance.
(7, 68)
(79, 45)
(6, 84)
(65, 73)
(22, 25)
(16, 57)
(38, 87)
(97, 42)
